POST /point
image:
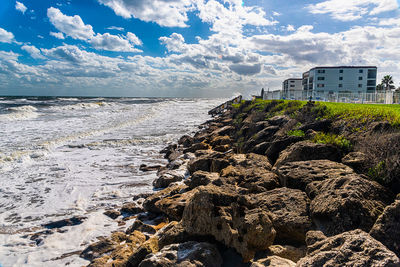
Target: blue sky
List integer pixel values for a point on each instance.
(201, 48)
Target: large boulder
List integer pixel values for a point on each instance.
(299, 174)
(354, 248)
(346, 203)
(221, 213)
(306, 150)
(387, 228)
(204, 160)
(168, 177)
(265, 135)
(356, 160)
(149, 203)
(275, 147)
(189, 254)
(289, 210)
(201, 178)
(174, 205)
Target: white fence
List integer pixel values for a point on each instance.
(362, 98)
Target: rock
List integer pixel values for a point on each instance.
(186, 141)
(201, 178)
(145, 168)
(76, 220)
(172, 157)
(313, 237)
(168, 177)
(226, 130)
(354, 248)
(220, 140)
(275, 147)
(289, 212)
(356, 160)
(197, 146)
(288, 252)
(138, 225)
(299, 174)
(204, 160)
(218, 164)
(306, 150)
(131, 209)
(346, 203)
(260, 148)
(265, 134)
(320, 126)
(169, 149)
(149, 203)
(387, 228)
(138, 255)
(95, 250)
(174, 205)
(273, 261)
(222, 148)
(218, 212)
(113, 214)
(172, 233)
(186, 254)
(278, 120)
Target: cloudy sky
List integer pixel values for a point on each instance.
(199, 48)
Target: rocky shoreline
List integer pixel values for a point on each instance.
(243, 191)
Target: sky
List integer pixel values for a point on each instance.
(187, 48)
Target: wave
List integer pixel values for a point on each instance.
(82, 106)
(19, 113)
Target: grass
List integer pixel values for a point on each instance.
(298, 133)
(333, 139)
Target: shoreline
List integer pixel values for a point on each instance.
(254, 190)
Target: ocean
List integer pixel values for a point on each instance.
(65, 157)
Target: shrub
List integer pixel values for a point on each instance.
(333, 139)
(298, 133)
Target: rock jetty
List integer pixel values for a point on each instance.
(254, 188)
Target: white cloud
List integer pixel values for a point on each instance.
(290, 28)
(70, 26)
(115, 28)
(58, 35)
(5, 36)
(20, 7)
(169, 13)
(133, 39)
(33, 51)
(345, 10)
(115, 43)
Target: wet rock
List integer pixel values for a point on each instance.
(218, 212)
(346, 203)
(197, 146)
(169, 149)
(186, 141)
(174, 205)
(141, 196)
(306, 150)
(226, 130)
(149, 203)
(201, 178)
(186, 254)
(145, 168)
(168, 177)
(299, 174)
(138, 225)
(354, 248)
(387, 228)
(289, 212)
(131, 209)
(97, 249)
(273, 261)
(113, 214)
(356, 160)
(76, 220)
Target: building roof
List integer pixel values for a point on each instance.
(345, 67)
(292, 79)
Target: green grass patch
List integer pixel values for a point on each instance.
(298, 133)
(333, 139)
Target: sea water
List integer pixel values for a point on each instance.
(65, 157)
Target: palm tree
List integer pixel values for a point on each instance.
(379, 87)
(387, 82)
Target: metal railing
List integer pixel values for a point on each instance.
(362, 98)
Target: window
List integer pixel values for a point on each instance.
(340, 71)
(292, 81)
(340, 78)
(371, 83)
(321, 78)
(340, 85)
(321, 71)
(320, 85)
(360, 78)
(359, 85)
(360, 71)
(372, 74)
(292, 85)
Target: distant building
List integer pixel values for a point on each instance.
(342, 79)
(261, 96)
(291, 87)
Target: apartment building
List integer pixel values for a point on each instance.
(342, 79)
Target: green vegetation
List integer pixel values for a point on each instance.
(330, 138)
(377, 173)
(298, 133)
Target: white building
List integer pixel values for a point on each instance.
(291, 87)
(342, 79)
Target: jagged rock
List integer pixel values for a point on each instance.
(113, 214)
(222, 148)
(174, 205)
(197, 146)
(186, 254)
(172, 233)
(278, 120)
(356, 160)
(204, 160)
(289, 211)
(95, 250)
(306, 150)
(387, 228)
(145, 168)
(168, 150)
(299, 174)
(131, 208)
(138, 225)
(354, 248)
(139, 254)
(321, 126)
(265, 135)
(346, 203)
(288, 252)
(226, 130)
(201, 178)
(219, 212)
(251, 160)
(149, 203)
(260, 148)
(186, 141)
(275, 147)
(273, 261)
(168, 177)
(76, 220)
(220, 140)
